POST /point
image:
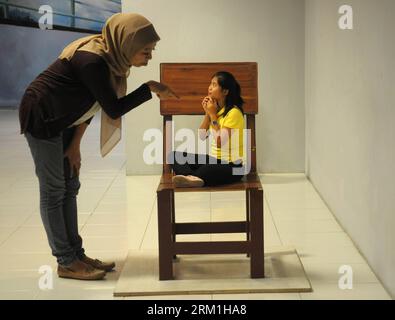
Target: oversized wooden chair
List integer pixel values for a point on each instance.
(190, 81)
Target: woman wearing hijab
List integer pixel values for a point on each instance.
(89, 75)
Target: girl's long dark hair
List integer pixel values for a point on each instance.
(227, 81)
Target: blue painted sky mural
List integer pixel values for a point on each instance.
(87, 15)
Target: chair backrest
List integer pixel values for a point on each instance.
(191, 80)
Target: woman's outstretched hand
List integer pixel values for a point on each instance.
(162, 90)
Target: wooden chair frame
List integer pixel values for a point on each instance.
(190, 81)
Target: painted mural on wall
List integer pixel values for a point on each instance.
(27, 49)
(74, 15)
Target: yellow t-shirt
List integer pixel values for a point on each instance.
(233, 149)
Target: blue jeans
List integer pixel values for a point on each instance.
(58, 195)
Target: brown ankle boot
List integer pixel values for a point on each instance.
(97, 264)
(81, 271)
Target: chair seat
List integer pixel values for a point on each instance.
(250, 181)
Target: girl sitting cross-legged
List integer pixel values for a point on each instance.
(224, 120)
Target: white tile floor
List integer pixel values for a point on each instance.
(118, 213)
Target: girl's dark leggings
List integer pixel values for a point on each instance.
(208, 168)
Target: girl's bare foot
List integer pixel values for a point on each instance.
(187, 181)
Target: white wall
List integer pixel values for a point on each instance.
(270, 32)
(348, 89)
(350, 115)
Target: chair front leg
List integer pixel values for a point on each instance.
(248, 217)
(256, 234)
(173, 221)
(165, 234)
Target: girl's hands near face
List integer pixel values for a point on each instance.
(211, 107)
(204, 104)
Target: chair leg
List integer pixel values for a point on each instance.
(173, 221)
(165, 234)
(256, 234)
(248, 217)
